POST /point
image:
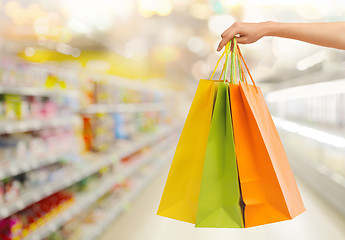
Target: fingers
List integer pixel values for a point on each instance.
(222, 43)
(242, 40)
(227, 35)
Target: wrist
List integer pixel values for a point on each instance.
(269, 28)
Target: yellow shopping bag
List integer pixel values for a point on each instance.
(181, 193)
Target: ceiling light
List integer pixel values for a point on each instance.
(315, 134)
(312, 60)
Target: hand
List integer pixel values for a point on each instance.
(245, 33)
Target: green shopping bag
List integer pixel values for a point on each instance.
(219, 199)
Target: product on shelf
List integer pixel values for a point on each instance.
(22, 223)
(17, 107)
(35, 145)
(2, 107)
(14, 187)
(102, 130)
(98, 132)
(87, 132)
(11, 228)
(102, 91)
(15, 73)
(120, 130)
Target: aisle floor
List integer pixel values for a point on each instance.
(319, 222)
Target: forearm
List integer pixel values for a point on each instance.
(324, 34)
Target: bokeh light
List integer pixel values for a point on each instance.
(217, 24)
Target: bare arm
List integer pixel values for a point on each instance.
(328, 34)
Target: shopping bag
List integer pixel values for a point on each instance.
(181, 193)
(219, 199)
(268, 187)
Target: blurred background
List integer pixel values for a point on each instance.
(93, 96)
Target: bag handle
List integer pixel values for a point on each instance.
(233, 49)
(233, 61)
(245, 64)
(227, 50)
(236, 52)
(215, 69)
(240, 68)
(236, 61)
(225, 66)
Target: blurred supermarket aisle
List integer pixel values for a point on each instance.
(92, 97)
(319, 222)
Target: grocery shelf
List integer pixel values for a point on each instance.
(39, 193)
(138, 163)
(36, 194)
(7, 127)
(19, 166)
(32, 91)
(137, 145)
(92, 232)
(124, 107)
(84, 200)
(42, 168)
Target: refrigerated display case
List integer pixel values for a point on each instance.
(310, 119)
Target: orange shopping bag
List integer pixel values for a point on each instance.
(269, 190)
